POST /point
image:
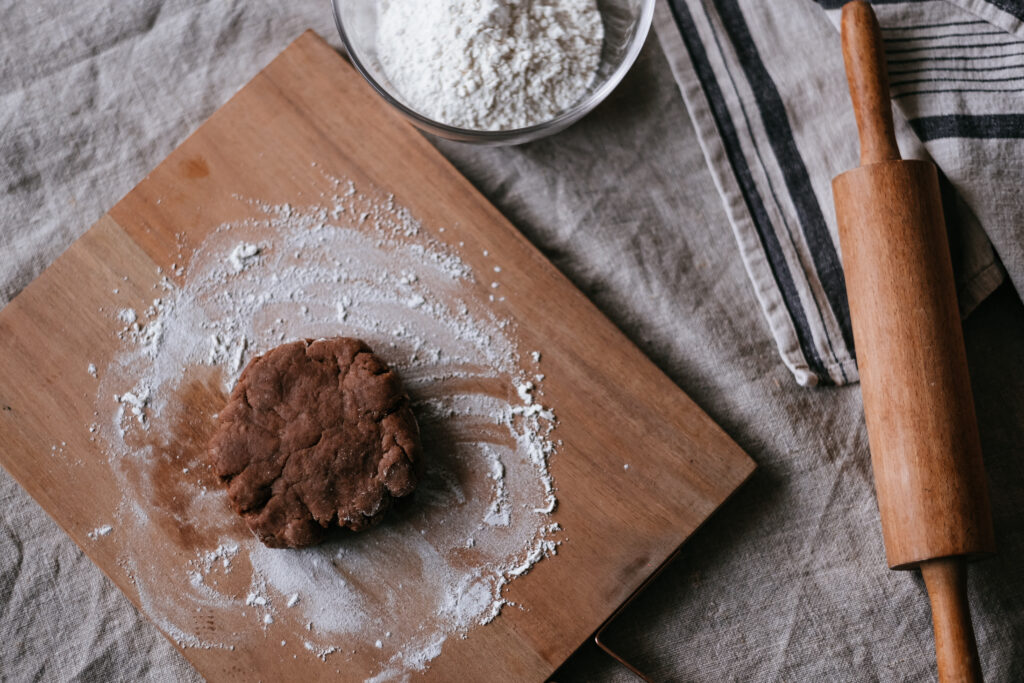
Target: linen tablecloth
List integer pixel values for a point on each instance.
(786, 582)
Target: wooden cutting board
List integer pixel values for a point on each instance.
(309, 113)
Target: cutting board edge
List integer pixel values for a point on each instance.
(747, 469)
(650, 579)
(304, 35)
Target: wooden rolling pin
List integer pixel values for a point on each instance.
(925, 448)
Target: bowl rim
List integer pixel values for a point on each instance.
(562, 120)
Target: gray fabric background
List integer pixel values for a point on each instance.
(787, 582)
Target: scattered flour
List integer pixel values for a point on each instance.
(319, 652)
(490, 64)
(146, 335)
(541, 550)
(255, 600)
(136, 401)
(435, 569)
(100, 531)
(525, 392)
(242, 255)
(220, 556)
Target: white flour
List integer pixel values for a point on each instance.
(242, 255)
(100, 531)
(490, 64)
(435, 567)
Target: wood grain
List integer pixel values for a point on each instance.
(956, 652)
(614, 405)
(868, 80)
(925, 446)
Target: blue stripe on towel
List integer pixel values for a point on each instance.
(794, 171)
(786, 223)
(936, 24)
(753, 201)
(968, 126)
(954, 58)
(957, 79)
(936, 91)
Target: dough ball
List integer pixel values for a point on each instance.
(316, 435)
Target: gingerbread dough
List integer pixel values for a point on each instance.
(316, 434)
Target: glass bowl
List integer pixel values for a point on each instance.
(626, 23)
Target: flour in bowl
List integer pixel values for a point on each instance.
(490, 64)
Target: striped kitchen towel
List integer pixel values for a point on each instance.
(765, 86)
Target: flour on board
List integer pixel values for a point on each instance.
(100, 531)
(479, 518)
(242, 255)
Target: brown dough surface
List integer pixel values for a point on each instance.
(315, 434)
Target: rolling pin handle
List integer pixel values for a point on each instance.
(864, 55)
(955, 649)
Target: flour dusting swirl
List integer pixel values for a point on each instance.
(356, 266)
